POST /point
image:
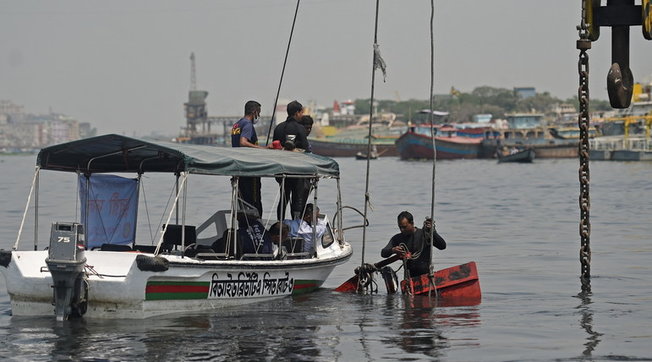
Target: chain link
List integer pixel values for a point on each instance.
(583, 121)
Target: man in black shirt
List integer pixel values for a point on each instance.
(292, 136)
(415, 242)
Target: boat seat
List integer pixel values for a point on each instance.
(294, 248)
(293, 245)
(145, 248)
(172, 236)
(194, 249)
(115, 247)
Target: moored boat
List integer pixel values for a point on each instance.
(351, 147)
(519, 155)
(373, 155)
(99, 267)
(417, 144)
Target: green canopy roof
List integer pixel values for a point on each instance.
(115, 153)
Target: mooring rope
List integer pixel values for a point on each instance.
(280, 82)
(375, 63)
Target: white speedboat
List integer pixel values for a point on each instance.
(96, 267)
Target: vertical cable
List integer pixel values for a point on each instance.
(287, 51)
(434, 149)
(371, 113)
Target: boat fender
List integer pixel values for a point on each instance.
(149, 263)
(5, 257)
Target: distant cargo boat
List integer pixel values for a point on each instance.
(334, 147)
(417, 144)
(620, 148)
(539, 139)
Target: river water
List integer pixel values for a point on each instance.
(518, 222)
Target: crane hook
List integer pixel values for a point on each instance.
(620, 85)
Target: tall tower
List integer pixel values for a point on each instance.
(193, 73)
(196, 106)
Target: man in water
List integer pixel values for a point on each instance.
(412, 244)
(243, 134)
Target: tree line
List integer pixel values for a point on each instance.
(482, 100)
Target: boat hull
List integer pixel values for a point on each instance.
(413, 145)
(118, 288)
(542, 147)
(350, 149)
(458, 285)
(524, 156)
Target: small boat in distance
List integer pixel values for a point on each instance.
(522, 155)
(99, 267)
(363, 155)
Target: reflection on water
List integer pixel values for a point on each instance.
(586, 319)
(420, 324)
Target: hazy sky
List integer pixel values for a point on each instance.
(124, 65)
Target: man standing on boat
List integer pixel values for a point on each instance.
(307, 123)
(292, 136)
(412, 244)
(243, 134)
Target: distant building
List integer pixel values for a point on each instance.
(29, 131)
(482, 118)
(524, 120)
(525, 92)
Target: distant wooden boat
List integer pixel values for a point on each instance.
(522, 156)
(334, 147)
(363, 155)
(413, 145)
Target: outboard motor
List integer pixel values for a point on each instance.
(66, 262)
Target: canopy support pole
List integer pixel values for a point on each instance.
(167, 222)
(29, 199)
(36, 192)
(232, 235)
(183, 215)
(340, 226)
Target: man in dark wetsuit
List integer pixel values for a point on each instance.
(416, 241)
(292, 136)
(243, 134)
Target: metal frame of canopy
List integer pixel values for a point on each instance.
(120, 154)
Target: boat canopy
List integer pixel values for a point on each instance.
(116, 153)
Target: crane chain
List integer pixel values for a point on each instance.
(583, 121)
